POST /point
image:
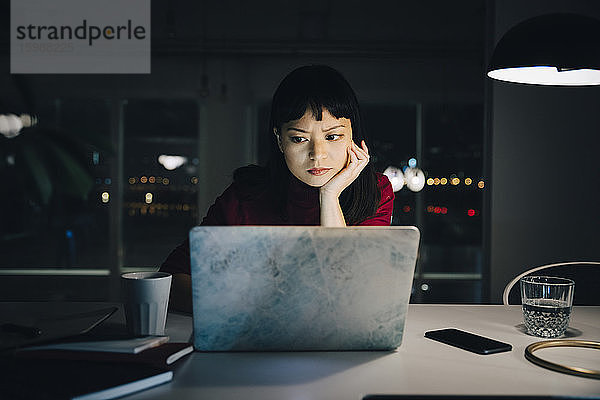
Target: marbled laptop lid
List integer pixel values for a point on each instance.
(269, 288)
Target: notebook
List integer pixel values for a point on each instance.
(161, 356)
(287, 288)
(128, 346)
(22, 378)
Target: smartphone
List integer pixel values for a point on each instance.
(468, 341)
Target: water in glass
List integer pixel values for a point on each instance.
(546, 317)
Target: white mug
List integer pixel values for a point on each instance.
(146, 302)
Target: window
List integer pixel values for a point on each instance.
(86, 193)
(446, 141)
(51, 211)
(160, 178)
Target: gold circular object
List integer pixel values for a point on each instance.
(565, 369)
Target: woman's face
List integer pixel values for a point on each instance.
(315, 151)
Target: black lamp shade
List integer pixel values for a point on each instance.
(568, 45)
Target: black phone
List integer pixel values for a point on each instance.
(468, 341)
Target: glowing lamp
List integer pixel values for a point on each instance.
(11, 124)
(395, 176)
(552, 49)
(415, 179)
(171, 162)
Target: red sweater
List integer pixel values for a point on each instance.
(302, 209)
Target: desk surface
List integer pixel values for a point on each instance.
(419, 366)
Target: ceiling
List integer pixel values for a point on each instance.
(330, 26)
(309, 26)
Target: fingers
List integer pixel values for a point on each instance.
(365, 147)
(353, 155)
(358, 158)
(349, 158)
(361, 154)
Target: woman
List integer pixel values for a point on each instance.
(316, 175)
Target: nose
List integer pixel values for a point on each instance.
(318, 151)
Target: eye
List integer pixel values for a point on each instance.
(333, 137)
(297, 139)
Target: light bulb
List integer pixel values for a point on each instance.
(415, 179)
(396, 177)
(11, 124)
(171, 162)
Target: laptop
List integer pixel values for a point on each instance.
(289, 288)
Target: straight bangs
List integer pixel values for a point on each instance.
(316, 104)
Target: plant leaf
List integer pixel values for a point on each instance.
(39, 173)
(78, 181)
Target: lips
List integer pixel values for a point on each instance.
(318, 171)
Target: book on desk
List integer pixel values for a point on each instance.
(76, 371)
(161, 356)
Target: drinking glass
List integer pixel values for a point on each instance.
(547, 303)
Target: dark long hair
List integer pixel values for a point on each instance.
(315, 87)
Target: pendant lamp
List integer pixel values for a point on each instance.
(552, 49)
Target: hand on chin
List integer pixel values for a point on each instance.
(358, 158)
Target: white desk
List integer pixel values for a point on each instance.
(419, 366)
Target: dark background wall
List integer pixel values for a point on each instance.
(545, 166)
